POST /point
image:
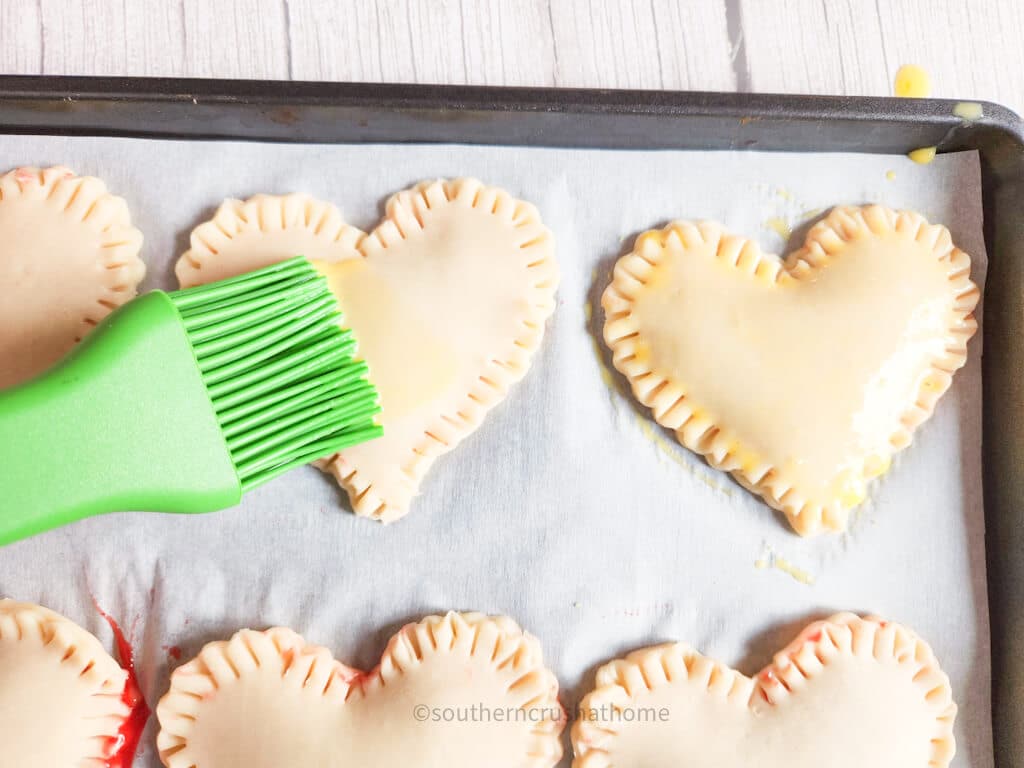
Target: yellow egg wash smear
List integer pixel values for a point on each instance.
(392, 338)
(923, 155)
(969, 111)
(912, 82)
(770, 559)
(588, 311)
(779, 226)
(652, 432)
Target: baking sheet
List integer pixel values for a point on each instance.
(569, 509)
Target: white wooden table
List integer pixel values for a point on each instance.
(972, 48)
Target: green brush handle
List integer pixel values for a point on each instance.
(124, 423)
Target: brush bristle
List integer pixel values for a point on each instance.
(279, 368)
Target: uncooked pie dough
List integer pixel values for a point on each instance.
(848, 693)
(68, 256)
(455, 691)
(60, 692)
(447, 298)
(801, 378)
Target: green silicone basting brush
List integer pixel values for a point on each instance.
(181, 402)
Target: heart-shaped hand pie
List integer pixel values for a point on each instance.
(801, 378)
(455, 691)
(848, 693)
(68, 256)
(447, 298)
(60, 692)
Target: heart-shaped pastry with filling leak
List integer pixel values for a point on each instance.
(447, 299)
(800, 378)
(455, 691)
(61, 694)
(847, 693)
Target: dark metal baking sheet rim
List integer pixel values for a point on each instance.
(342, 112)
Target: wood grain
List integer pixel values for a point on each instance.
(971, 49)
(21, 38)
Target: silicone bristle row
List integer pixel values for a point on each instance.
(279, 368)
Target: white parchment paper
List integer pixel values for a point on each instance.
(569, 509)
